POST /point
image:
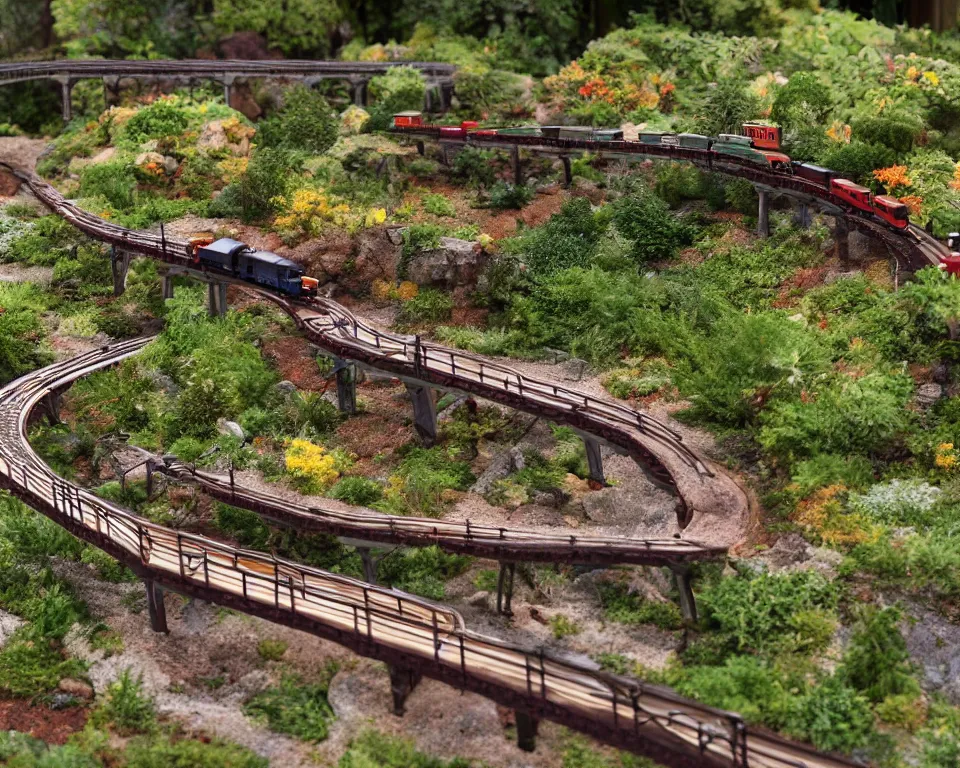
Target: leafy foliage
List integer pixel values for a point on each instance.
(295, 708)
(304, 122)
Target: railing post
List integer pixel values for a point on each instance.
(594, 461)
(424, 413)
(346, 387)
(688, 603)
(526, 730)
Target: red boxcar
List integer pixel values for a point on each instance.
(452, 132)
(854, 194)
(892, 211)
(469, 125)
(764, 136)
(407, 120)
(951, 264)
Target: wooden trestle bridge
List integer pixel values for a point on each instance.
(413, 636)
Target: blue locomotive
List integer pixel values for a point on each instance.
(253, 266)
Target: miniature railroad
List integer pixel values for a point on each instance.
(408, 633)
(916, 247)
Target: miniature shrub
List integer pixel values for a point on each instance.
(271, 650)
(568, 239)
(845, 416)
(562, 627)
(828, 469)
(113, 181)
(308, 415)
(418, 484)
(127, 709)
(769, 614)
(43, 243)
(359, 491)
(311, 466)
(422, 571)
(164, 752)
(200, 404)
(877, 661)
(653, 231)
(107, 568)
(475, 166)
(295, 708)
(624, 607)
(832, 717)
(305, 122)
(243, 525)
(159, 120)
(269, 176)
(372, 749)
(439, 205)
(726, 107)
(899, 503)
(857, 160)
(188, 449)
(504, 195)
(30, 667)
(428, 306)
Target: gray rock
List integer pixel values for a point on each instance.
(170, 165)
(164, 383)
(454, 263)
(286, 387)
(499, 468)
(928, 394)
(63, 700)
(751, 566)
(517, 461)
(548, 498)
(555, 355)
(934, 644)
(8, 625)
(789, 550)
(396, 235)
(835, 277)
(479, 599)
(231, 428)
(643, 505)
(574, 369)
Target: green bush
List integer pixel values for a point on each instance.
(428, 306)
(21, 331)
(269, 175)
(164, 752)
(305, 122)
(271, 650)
(376, 750)
(653, 231)
(876, 661)
(295, 708)
(475, 166)
(159, 120)
(29, 667)
(127, 709)
(726, 107)
(359, 491)
(568, 239)
(422, 571)
(243, 525)
(833, 717)
(562, 627)
(421, 479)
(857, 160)
(439, 205)
(505, 196)
(625, 607)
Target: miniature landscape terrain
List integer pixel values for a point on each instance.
(820, 380)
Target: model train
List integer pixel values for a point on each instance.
(758, 147)
(250, 265)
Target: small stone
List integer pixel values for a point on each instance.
(479, 599)
(213, 136)
(76, 688)
(170, 165)
(575, 369)
(516, 459)
(395, 235)
(545, 499)
(231, 428)
(928, 394)
(62, 701)
(146, 158)
(286, 387)
(571, 521)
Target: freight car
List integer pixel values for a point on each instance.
(260, 267)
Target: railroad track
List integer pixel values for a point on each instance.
(379, 623)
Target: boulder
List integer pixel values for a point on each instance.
(231, 428)
(352, 120)
(928, 394)
(9, 184)
(574, 369)
(286, 387)
(149, 158)
(213, 136)
(454, 263)
(376, 257)
(74, 687)
(170, 165)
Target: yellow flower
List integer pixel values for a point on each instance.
(946, 457)
(839, 132)
(931, 77)
(913, 73)
(407, 290)
(311, 466)
(375, 216)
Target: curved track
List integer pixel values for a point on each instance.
(916, 247)
(715, 508)
(380, 623)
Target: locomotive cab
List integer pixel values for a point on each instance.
(221, 254)
(892, 211)
(764, 136)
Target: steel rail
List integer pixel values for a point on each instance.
(705, 495)
(376, 622)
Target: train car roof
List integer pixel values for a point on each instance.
(225, 245)
(778, 156)
(693, 135)
(269, 257)
(818, 168)
(408, 113)
(889, 200)
(850, 185)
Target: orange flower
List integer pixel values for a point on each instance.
(892, 177)
(913, 202)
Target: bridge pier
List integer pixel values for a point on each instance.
(803, 219)
(402, 683)
(515, 161)
(228, 88)
(688, 603)
(51, 407)
(346, 387)
(167, 287)
(763, 213)
(567, 174)
(66, 98)
(359, 88)
(424, 413)
(526, 730)
(505, 588)
(119, 266)
(216, 299)
(155, 607)
(594, 460)
(841, 233)
(369, 565)
(421, 149)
